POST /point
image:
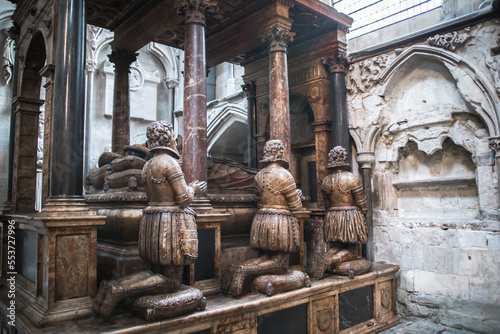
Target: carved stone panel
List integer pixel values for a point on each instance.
(72, 263)
(323, 315)
(385, 300)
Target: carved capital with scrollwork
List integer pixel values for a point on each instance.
(278, 39)
(195, 10)
(495, 145)
(338, 62)
(122, 59)
(91, 65)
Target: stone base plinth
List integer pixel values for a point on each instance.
(365, 304)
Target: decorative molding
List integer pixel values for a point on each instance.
(494, 68)
(91, 65)
(263, 106)
(278, 38)
(262, 88)
(436, 183)
(306, 74)
(369, 71)
(450, 41)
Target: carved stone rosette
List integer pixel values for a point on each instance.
(122, 59)
(278, 39)
(195, 10)
(338, 62)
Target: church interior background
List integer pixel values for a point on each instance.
(422, 91)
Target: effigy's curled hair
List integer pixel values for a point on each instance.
(337, 157)
(160, 133)
(273, 150)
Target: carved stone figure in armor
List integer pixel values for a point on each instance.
(168, 239)
(345, 218)
(275, 230)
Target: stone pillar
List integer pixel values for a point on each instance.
(322, 135)
(195, 90)
(47, 72)
(366, 160)
(25, 151)
(171, 84)
(337, 66)
(121, 99)
(278, 39)
(89, 110)
(14, 34)
(261, 142)
(249, 88)
(66, 227)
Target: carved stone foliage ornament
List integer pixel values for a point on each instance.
(278, 38)
(494, 143)
(365, 75)
(195, 10)
(338, 62)
(450, 41)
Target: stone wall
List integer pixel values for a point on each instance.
(427, 111)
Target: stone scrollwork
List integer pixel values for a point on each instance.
(450, 41)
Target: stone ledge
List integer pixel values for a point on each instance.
(434, 183)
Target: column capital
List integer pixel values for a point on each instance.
(278, 38)
(495, 145)
(91, 65)
(195, 10)
(122, 59)
(338, 62)
(172, 83)
(249, 89)
(366, 159)
(322, 126)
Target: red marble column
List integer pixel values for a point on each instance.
(195, 91)
(278, 38)
(121, 99)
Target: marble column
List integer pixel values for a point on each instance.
(14, 35)
(66, 177)
(366, 160)
(195, 91)
(249, 88)
(337, 66)
(322, 135)
(278, 39)
(47, 72)
(120, 136)
(171, 85)
(89, 109)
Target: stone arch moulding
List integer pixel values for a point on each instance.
(165, 57)
(97, 40)
(461, 71)
(223, 120)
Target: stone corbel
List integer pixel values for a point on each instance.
(172, 83)
(366, 159)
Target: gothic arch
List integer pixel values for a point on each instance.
(462, 72)
(221, 121)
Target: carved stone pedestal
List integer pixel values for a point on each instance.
(336, 304)
(65, 282)
(205, 272)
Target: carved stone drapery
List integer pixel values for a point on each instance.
(121, 99)
(278, 39)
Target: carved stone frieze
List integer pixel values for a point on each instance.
(278, 39)
(262, 88)
(306, 74)
(450, 41)
(195, 10)
(365, 74)
(338, 62)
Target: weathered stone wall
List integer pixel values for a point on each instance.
(428, 111)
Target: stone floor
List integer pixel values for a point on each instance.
(421, 326)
